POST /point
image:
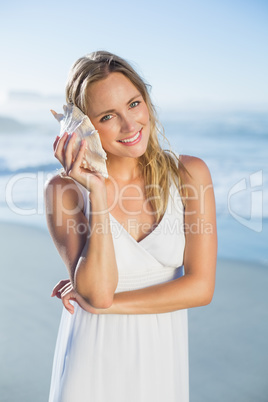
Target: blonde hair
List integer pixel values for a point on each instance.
(158, 166)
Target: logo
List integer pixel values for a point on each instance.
(248, 191)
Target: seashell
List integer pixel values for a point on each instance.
(75, 121)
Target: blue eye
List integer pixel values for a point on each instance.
(134, 104)
(107, 117)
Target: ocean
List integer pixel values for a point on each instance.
(234, 144)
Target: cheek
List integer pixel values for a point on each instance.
(107, 131)
(103, 137)
(144, 115)
(107, 135)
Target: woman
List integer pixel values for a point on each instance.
(124, 241)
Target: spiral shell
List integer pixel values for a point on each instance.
(75, 121)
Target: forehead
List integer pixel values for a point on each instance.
(112, 89)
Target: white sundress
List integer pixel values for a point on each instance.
(129, 358)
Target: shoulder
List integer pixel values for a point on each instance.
(62, 183)
(63, 189)
(196, 170)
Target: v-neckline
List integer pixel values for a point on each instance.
(149, 234)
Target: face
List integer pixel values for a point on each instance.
(119, 113)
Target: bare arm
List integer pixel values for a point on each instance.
(93, 273)
(197, 286)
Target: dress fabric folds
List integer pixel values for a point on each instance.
(134, 358)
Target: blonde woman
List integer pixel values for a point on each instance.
(140, 247)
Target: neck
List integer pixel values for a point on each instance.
(123, 169)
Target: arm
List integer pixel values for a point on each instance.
(196, 287)
(93, 273)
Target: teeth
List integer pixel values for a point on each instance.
(132, 139)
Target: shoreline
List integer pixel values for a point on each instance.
(228, 340)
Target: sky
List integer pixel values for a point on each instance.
(191, 52)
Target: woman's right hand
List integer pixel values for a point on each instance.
(92, 181)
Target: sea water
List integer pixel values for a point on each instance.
(233, 144)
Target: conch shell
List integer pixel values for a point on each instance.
(75, 121)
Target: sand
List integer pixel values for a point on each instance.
(228, 338)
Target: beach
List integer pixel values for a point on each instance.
(228, 340)
(206, 75)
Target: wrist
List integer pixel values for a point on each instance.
(99, 194)
(98, 200)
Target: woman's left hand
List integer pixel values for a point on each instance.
(64, 290)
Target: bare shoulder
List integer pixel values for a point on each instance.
(58, 180)
(63, 189)
(197, 169)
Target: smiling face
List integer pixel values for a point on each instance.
(120, 114)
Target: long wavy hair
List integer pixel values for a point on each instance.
(158, 166)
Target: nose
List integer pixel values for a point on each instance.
(127, 124)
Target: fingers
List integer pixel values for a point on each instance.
(66, 288)
(67, 295)
(79, 157)
(69, 153)
(58, 147)
(63, 151)
(72, 158)
(60, 285)
(55, 142)
(64, 291)
(66, 302)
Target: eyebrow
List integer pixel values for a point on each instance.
(113, 110)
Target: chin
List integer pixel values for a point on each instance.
(137, 152)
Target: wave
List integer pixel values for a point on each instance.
(49, 167)
(10, 125)
(218, 130)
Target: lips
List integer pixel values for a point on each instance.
(131, 140)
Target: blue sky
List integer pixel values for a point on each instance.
(189, 51)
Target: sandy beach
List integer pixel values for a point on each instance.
(228, 338)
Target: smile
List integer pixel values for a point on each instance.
(132, 140)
